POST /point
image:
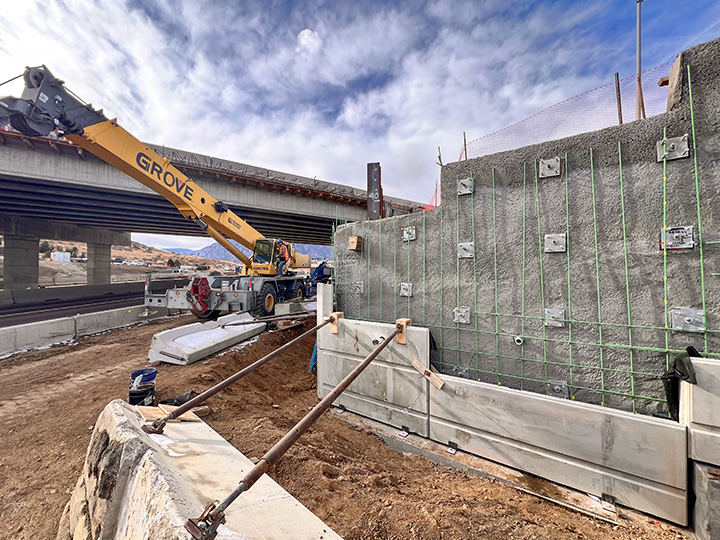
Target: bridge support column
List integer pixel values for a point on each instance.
(21, 266)
(98, 264)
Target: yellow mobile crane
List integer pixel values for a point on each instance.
(46, 106)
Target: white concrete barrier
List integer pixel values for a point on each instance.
(32, 335)
(44, 333)
(136, 485)
(92, 323)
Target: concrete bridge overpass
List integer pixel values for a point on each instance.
(53, 189)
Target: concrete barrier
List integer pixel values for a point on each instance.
(92, 323)
(700, 411)
(32, 335)
(41, 334)
(136, 485)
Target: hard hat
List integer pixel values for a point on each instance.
(279, 239)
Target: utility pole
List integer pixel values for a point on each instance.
(639, 102)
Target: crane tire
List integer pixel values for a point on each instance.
(266, 301)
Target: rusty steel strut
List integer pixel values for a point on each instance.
(205, 527)
(158, 425)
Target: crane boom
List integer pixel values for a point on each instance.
(46, 105)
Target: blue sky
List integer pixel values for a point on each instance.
(321, 88)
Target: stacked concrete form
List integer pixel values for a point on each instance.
(612, 292)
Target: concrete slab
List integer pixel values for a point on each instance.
(700, 411)
(638, 460)
(193, 342)
(139, 486)
(706, 513)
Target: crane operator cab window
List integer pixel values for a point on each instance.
(264, 252)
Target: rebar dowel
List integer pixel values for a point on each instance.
(569, 289)
(697, 199)
(282, 446)
(159, 424)
(269, 319)
(597, 278)
(495, 276)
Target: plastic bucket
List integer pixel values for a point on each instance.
(148, 376)
(143, 395)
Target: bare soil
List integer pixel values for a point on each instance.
(345, 475)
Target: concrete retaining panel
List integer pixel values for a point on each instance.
(390, 389)
(136, 485)
(700, 411)
(638, 460)
(193, 342)
(706, 513)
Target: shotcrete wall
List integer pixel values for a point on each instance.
(613, 281)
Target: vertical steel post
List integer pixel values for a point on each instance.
(639, 103)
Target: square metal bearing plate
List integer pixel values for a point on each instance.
(555, 243)
(549, 167)
(465, 186)
(687, 320)
(408, 234)
(674, 148)
(555, 318)
(461, 315)
(676, 238)
(466, 250)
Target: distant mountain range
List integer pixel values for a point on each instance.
(217, 252)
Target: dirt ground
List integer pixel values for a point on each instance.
(345, 475)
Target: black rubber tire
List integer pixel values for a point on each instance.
(297, 291)
(266, 299)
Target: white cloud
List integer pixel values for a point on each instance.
(309, 43)
(318, 89)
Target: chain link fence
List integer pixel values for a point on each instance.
(590, 111)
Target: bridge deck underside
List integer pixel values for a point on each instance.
(116, 210)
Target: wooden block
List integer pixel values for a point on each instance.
(436, 381)
(334, 325)
(150, 414)
(187, 417)
(402, 336)
(355, 243)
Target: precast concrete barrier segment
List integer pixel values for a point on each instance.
(158, 425)
(41, 334)
(205, 527)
